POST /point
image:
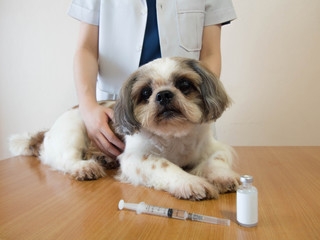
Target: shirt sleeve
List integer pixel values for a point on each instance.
(219, 12)
(87, 11)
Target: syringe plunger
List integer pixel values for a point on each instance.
(154, 210)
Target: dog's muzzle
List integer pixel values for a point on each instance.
(166, 107)
(164, 97)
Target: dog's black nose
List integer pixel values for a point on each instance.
(164, 97)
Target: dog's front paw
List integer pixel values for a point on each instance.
(108, 163)
(88, 170)
(219, 173)
(228, 182)
(196, 188)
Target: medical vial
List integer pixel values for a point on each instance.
(247, 202)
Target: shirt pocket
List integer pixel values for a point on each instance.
(190, 20)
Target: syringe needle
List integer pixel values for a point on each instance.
(208, 219)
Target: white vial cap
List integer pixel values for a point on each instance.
(246, 179)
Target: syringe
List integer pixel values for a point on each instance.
(171, 213)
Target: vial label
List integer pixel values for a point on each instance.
(247, 208)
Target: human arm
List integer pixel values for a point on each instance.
(210, 54)
(95, 117)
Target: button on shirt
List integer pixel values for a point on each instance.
(122, 26)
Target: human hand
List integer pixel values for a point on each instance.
(96, 118)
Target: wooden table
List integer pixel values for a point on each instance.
(38, 203)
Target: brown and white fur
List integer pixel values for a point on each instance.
(165, 110)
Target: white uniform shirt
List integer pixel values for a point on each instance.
(122, 26)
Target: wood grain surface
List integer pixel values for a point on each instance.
(38, 203)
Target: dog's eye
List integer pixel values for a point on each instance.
(145, 93)
(185, 86)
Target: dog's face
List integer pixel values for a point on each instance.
(168, 97)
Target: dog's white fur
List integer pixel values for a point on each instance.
(156, 164)
(156, 150)
(63, 147)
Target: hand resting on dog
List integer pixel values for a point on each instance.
(96, 118)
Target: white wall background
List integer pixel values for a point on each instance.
(271, 69)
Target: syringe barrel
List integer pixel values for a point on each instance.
(179, 214)
(165, 212)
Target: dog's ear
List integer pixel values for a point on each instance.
(125, 121)
(214, 97)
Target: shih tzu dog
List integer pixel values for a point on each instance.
(165, 110)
